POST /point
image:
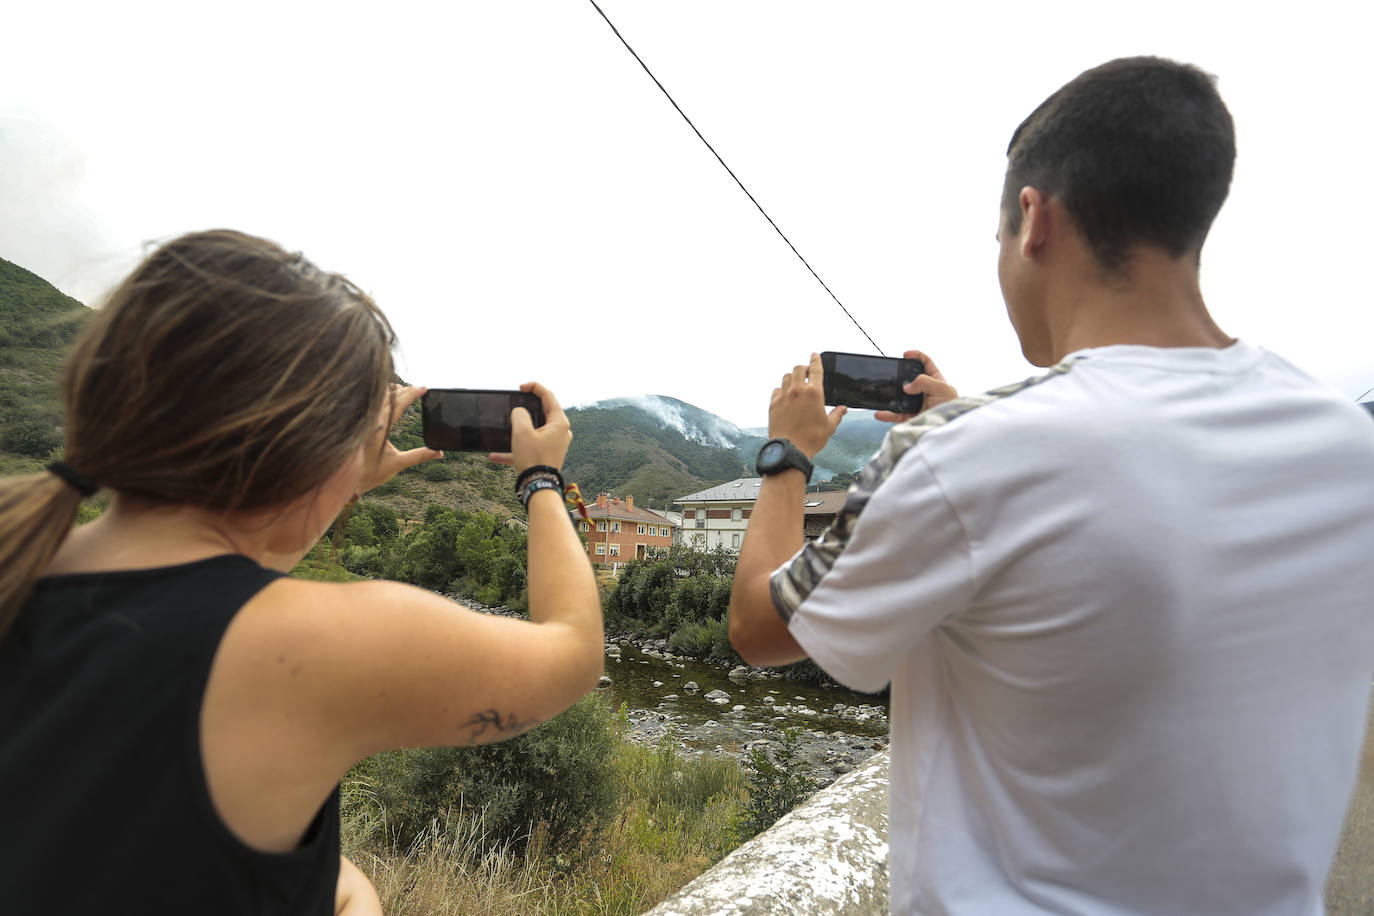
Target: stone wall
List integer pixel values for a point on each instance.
(828, 856)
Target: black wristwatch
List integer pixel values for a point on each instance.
(777, 455)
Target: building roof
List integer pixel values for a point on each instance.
(616, 509)
(827, 503)
(743, 489)
(746, 489)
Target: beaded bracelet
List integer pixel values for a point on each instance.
(538, 469)
(541, 483)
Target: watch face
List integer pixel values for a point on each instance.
(772, 453)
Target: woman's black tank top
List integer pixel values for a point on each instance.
(105, 807)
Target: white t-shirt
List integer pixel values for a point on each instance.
(1127, 612)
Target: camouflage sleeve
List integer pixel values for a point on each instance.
(791, 583)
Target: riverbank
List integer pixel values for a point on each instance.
(718, 710)
(715, 710)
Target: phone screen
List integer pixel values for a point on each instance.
(872, 382)
(473, 420)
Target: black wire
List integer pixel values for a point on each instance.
(736, 177)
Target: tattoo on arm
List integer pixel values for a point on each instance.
(492, 720)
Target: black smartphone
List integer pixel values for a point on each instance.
(473, 420)
(871, 382)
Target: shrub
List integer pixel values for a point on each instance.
(721, 648)
(775, 784)
(438, 471)
(559, 774)
(692, 639)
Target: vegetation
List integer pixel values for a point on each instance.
(37, 323)
(776, 784)
(664, 819)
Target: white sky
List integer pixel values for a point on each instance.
(524, 203)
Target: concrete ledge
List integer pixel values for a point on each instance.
(828, 856)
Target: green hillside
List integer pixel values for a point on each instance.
(37, 323)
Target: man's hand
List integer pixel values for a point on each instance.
(797, 409)
(930, 383)
(381, 459)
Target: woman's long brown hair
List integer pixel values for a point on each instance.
(224, 372)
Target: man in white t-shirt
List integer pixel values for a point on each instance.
(1125, 607)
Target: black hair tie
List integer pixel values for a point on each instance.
(73, 478)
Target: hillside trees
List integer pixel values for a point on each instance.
(467, 553)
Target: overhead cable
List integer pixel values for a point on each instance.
(734, 176)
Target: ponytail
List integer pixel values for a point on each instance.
(36, 512)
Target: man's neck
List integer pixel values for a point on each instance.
(1159, 304)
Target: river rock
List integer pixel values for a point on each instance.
(658, 683)
(769, 701)
(737, 708)
(710, 723)
(613, 652)
(717, 695)
(671, 696)
(739, 672)
(691, 687)
(604, 682)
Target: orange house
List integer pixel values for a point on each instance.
(618, 532)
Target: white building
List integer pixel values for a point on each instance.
(717, 517)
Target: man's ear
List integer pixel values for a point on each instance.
(1035, 221)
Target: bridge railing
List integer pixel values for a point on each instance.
(828, 856)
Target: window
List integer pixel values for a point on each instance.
(615, 550)
(601, 549)
(583, 526)
(641, 530)
(736, 514)
(600, 526)
(615, 527)
(734, 540)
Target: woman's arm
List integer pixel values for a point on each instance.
(312, 677)
(355, 895)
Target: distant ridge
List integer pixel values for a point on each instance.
(657, 448)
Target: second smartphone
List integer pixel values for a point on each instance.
(871, 382)
(473, 419)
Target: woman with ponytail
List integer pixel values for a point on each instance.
(175, 711)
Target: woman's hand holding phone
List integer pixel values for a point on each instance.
(930, 383)
(381, 459)
(531, 445)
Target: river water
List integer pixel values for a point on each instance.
(656, 690)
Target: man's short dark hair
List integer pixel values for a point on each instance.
(1139, 150)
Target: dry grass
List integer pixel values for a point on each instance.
(676, 818)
